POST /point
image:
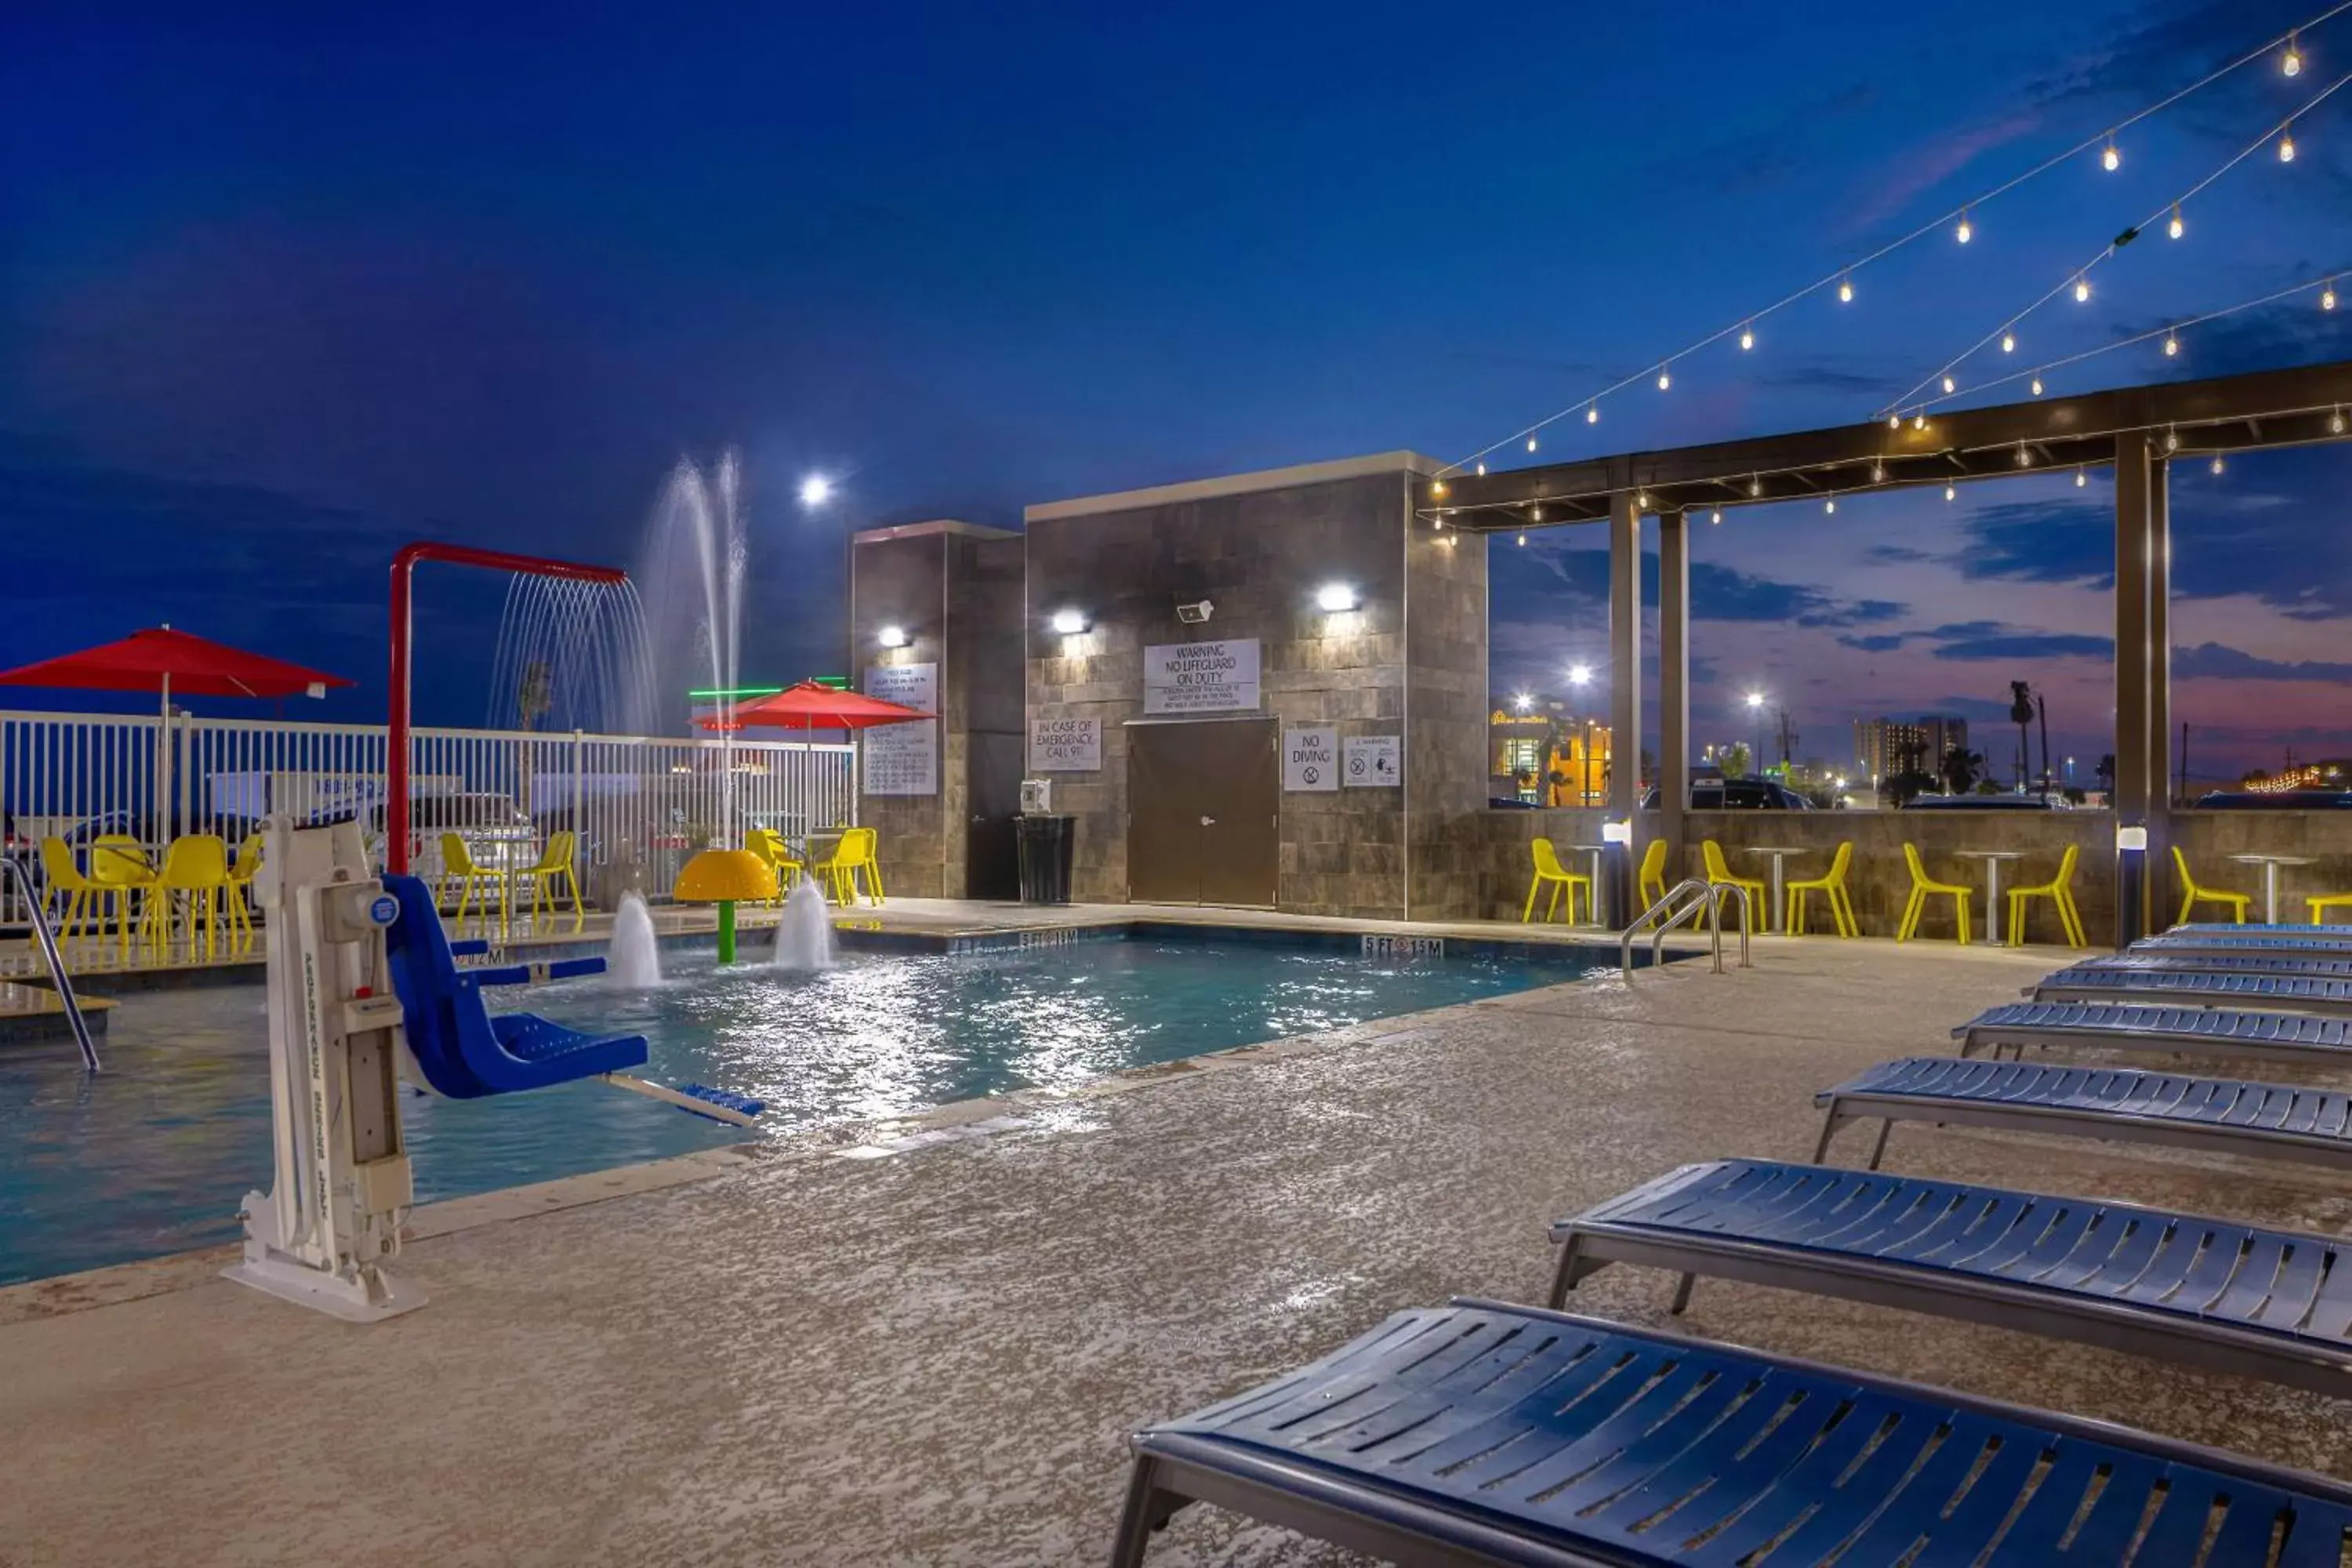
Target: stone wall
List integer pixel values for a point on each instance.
(1259, 555)
(1446, 714)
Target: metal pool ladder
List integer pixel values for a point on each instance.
(1669, 912)
(57, 976)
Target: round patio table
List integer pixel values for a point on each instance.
(1778, 912)
(1993, 859)
(2270, 865)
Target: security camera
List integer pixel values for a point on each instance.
(1195, 614)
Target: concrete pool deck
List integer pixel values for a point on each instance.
(934, 1358)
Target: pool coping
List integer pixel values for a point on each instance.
(1022, 1110)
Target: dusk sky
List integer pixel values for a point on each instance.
(284, 287)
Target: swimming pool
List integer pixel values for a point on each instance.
(154, 1156)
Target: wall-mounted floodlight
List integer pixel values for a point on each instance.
(1069, 622)
(1336, 598)
(1617, 833)
(893, 637)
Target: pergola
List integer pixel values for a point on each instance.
(2135, 430)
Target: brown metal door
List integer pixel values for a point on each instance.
(1202, 799)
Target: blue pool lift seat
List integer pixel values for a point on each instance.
(463, 1051)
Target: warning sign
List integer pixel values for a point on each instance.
(1372, 762)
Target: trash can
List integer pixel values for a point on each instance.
(1045, 843)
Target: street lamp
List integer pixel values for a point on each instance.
(1756, 706)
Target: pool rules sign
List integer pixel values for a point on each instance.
(904, 758)
(1310, 761)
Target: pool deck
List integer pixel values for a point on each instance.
(791, 1357)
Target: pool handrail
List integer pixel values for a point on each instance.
(59, 978)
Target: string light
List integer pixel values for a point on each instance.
(2171, 346)
(1714, 518)
(2327, 296)
(1437, 487)
(1482, 470)
(1756, 484)
(1531, 443)
(1846, 285)
(1535, 514)
(2008, 342)
(2037, 386)
(2081, 289)
(1967, 231)
(1665, 379)
(2024, 455)
(2175, 229)
(2081, 478)
(1592, 414)
(2291, 62)
(2217, 462)
(1919, 421)
(2286, 144)
(1830, 505)
(2112, 159)
(1747, 336)
(1523, 542)
(1950, 385)
(1878, 473)
(2335, 423)
(1951, 493)
(1895, 422)
(2171, 439)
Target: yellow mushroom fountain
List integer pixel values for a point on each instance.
(724, 878)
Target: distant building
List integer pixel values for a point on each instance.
(1545, 754)
(1884, 747)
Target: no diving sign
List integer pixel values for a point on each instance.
(1310, 761)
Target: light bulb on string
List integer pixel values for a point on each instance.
(2082, 290)
(2171, 439)
(1747, 336)
(2081, 478)
(2217, 462)
(2113, 158)
(2024, 455)
(1830, 505)
(1522, 540)
(1714, 518)
(1877, 473)
(2037, 386)
(1437, 487)
(1531, 443)
(1967, 231)
(1756, 484)
(1592, 414)
(1949, 387)
(2335, 423)
(2175, 229)
(1951, 493)
(2327, 296)
(1919, 421)
(2286, 146)
(1482, 470)
(2171, 346)
(2291, 62)
(1535, 514)
(1895, 422)
(2008, 342)
(1845, 287)
(1664, 379)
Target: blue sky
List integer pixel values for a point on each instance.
(283, 288)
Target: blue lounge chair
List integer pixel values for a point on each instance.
(2325, 994)
(2219, 1115)
(2187, 961)
(2224, 1295)
(1481, 1434)
(463, 1051)
(2114, 1025)
(2321, 941)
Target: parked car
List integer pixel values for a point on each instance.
(1980, 802)
(1737, 795)
(2275, 800)
(496, 830)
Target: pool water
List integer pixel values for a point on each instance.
(155, 1154)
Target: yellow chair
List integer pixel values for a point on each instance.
(2325, 901)
(770, 846)
(1718, 875)
(2191, 894)
(119, 863)
(1652, 885)
(457, 866)
(552, 873)
(241, 873)
(2059, 890)
(83, 896)
(196, 863)
(854, 852)
(1922, 887)
(1832, 887)
(1550, 873)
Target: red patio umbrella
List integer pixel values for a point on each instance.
(162, 660)
(813, 705)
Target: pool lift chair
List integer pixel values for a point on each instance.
(364, 992)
